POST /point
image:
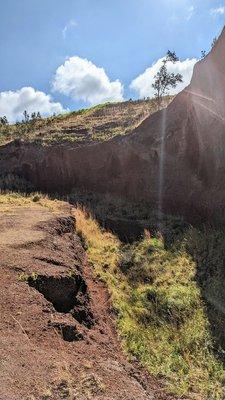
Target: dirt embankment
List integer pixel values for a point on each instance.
(174, 160)
(57, 332)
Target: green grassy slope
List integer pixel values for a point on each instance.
(159, 305)
(85, 126)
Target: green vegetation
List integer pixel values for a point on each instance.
(166, 291)
(164, 80)
(23, 277)
(85, 126)
(157, 298)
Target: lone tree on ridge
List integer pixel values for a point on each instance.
(165, 80)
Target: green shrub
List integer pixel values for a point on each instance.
(36, 198)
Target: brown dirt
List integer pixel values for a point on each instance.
(46, 287)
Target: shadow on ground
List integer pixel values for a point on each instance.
(205, 243)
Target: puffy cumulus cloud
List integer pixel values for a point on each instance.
(143, 83)
(13, 103)
(82, 80)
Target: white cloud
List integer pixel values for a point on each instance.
(13, 103)
(83, 80)
(69, 25)
(217, 11)
(186, 14)
(191, 10)
(143, 83)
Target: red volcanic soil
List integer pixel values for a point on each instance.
(57, 331)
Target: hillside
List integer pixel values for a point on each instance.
(142, 264)
(85, 126)
(164, 289)
(57, 328)
(80, 308)
(173, 160)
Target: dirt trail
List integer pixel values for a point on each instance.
(57, 337)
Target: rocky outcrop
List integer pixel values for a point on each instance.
(175, 159)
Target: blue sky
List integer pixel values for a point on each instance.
(125, 37)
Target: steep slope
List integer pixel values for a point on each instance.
(57, 335)
(175, 159)
(83, 127)
(161, 315)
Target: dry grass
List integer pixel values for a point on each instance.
(95, 124)
(18, 199)
(104, 253)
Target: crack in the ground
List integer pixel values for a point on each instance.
(52, 261)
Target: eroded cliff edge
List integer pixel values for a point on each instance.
(58, 339)
(175, 159)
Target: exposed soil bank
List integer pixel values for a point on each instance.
(186, 179)
(57, 335)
